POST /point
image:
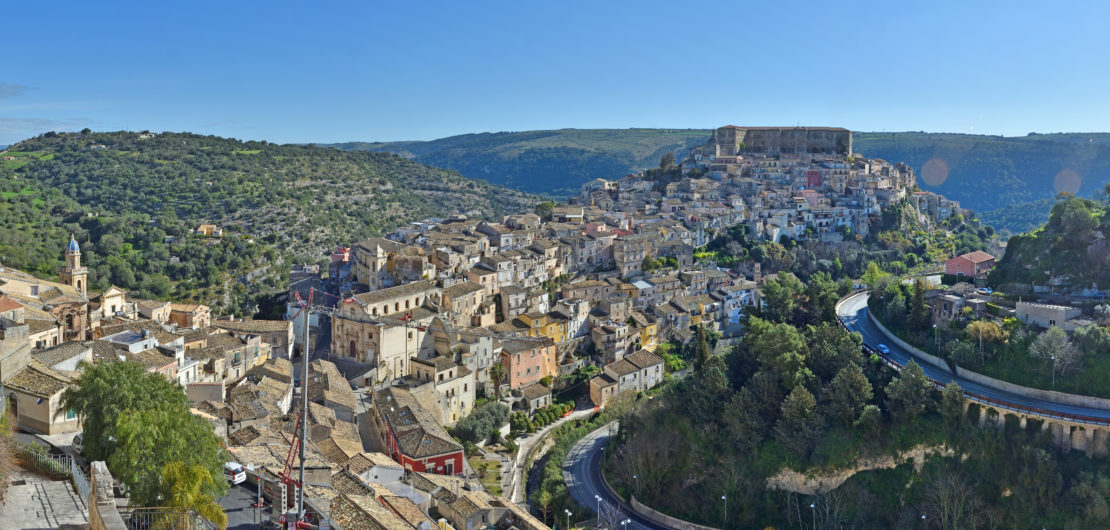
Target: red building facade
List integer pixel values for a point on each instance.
(413, 437)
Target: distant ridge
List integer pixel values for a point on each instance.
(984, 173)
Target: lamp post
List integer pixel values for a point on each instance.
(1054, 372)
(936, 337)
(637, 479)
(724, 509)
(813, 510)
(568, 517)
(624, 523)
(598, 497)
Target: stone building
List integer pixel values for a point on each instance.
(730, 141)
(386, 343)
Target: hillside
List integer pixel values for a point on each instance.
(549, 162)
(990, 172)
(1071, 248)
(132, 201)
(984, 173)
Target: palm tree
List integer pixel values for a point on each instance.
(185, 486)
(497, 373)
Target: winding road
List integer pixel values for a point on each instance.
(582, 473)
(853, 313)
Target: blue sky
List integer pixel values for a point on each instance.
(365, 71)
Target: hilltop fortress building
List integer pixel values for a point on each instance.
(730, 140)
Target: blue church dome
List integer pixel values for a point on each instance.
(72, 245)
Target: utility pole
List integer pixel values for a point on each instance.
(304, 411)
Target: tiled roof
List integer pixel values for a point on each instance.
(7, 303)
(38, 380)
(254, 326)
(326, 384)
(417, 433)
(62, 352)
(461, 289)
(407, 510)
(643, 359)
(363, 461)
(408, 289)
(535, 391)
(362, 512)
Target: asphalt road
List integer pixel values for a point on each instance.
(582, 473)
(854, 314)
(237, 505)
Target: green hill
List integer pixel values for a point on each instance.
(549, 162)
(132, 202)
(984, 173)
(1071, 247)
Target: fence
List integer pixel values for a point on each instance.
(55, 464)
(158, 518)
(978, 398)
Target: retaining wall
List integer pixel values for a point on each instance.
(1032, 393)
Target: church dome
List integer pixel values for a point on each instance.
(72, 245)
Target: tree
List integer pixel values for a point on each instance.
(188, 488)
(149, 440)
(1053, 346)
(952, 502)
(918, 318)
(543, 498)
(952, 400)
(780, 349)
(910, 393)
(781, 297)
(701, 349)
(545, 209)
(106, 391)
(847, 394)
(741, 419)
(983, 331)
(868, 420)
(799, 425)
(666, 161)
(497, 373)
(831, 348)
(873, 274)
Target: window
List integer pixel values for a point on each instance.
(70, 414)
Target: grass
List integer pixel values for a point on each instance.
(246, 151)
(22, 158)
(492, 482)
(6, 195)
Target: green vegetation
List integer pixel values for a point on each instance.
(1004, 349)
(520, 422)
(990, 172)
(132, 204)
(482, 423)
(805, 399)
(140, 423)
(550, 162)
(1071, 247)
(552, 488)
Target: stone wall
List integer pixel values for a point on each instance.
(1034, 393)
(103, 514)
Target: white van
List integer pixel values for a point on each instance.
(234, 473)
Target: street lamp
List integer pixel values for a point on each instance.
(936, 337)
(1054, 372)
(724, 509)
(598, 497)
(625, 522)
(813, 510)
(568, 517)
(637, 479)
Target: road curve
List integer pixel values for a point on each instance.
(853, 313)
(582, 473)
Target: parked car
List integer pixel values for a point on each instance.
(79, 443)
(883, 349)
(234, 473)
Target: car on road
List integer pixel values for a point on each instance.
(79, 442)
(234, 473)
(883, 349)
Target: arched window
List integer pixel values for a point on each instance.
(353, 349)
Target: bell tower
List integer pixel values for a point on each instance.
(73, 274)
